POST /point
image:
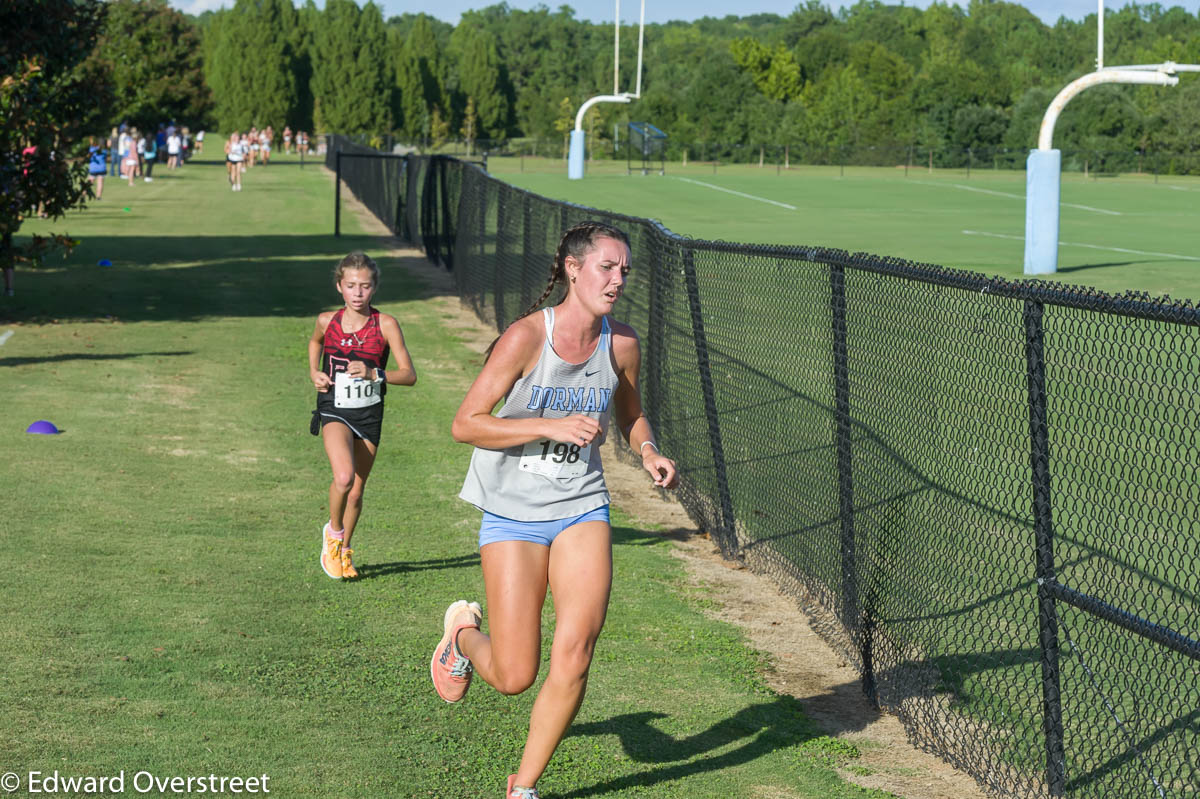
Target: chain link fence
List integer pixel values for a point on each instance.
(1096, 163)
(990, 490)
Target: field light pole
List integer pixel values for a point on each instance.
(578, 139)
(1043, 168)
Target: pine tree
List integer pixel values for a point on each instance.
(417, 67)
(252, 70)
(480, 76)
(351, 73)
(374, 73)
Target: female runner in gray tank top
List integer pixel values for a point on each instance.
(537, 476)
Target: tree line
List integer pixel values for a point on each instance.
(870, 75)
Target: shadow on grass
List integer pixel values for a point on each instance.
(1102, 266)
(175, 278)
(369, 571)
(759, 729)
(88, 356)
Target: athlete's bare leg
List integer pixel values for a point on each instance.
(580, 581)
(515, 575)
(578, 569)
(364, 459)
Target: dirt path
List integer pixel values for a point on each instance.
(803, 665)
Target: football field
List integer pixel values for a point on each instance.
(1121, 233)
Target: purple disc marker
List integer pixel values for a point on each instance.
(42, 427)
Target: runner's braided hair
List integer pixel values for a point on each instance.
(576, 243)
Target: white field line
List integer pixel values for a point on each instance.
(738, 193)
(1017, 196)
(5, 336)
(1176, 256)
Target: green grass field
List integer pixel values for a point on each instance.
(166, 612)
(1118, 233)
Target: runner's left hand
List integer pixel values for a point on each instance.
(662, 469)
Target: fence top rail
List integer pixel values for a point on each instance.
(1131, 304)
(348, 154)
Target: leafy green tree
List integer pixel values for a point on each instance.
(838, 108)
(889, 120)
(774, 70)
(978, 127)
(153, 55)
(46, 96)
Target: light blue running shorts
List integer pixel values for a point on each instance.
(497, 528)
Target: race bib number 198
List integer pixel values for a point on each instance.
(555, 459)
(354, 392)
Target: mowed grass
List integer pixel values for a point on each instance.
(1132, 232)
(166, 611)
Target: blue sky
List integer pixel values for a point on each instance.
(665, 10)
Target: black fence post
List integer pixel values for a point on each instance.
(337, 195)
(851, 611)
(527, 259)
(1044, 541)
(655, 323)
(727, 538)
(498, 269)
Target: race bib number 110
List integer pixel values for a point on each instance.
(555, 459)
(354, 392)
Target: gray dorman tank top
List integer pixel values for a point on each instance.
(516, 482)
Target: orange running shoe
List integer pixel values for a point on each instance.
(331, 554)
(515, 792)
(348, 570)
(449, 667)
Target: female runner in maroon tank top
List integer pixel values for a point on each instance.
(347, 361)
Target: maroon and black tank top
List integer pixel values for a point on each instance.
(367, 345)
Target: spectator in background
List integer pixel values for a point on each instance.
(199, 142)
(233, 161)
(150, 151)
(174, 148)
(139, 143)
(97, 165)
(160, 142)
(113, 139)
(302, 139)
(129, 162)
(123, 140)
(251, 141)
(185, 137)
(287, 139)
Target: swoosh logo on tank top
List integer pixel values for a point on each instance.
(589, 374)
